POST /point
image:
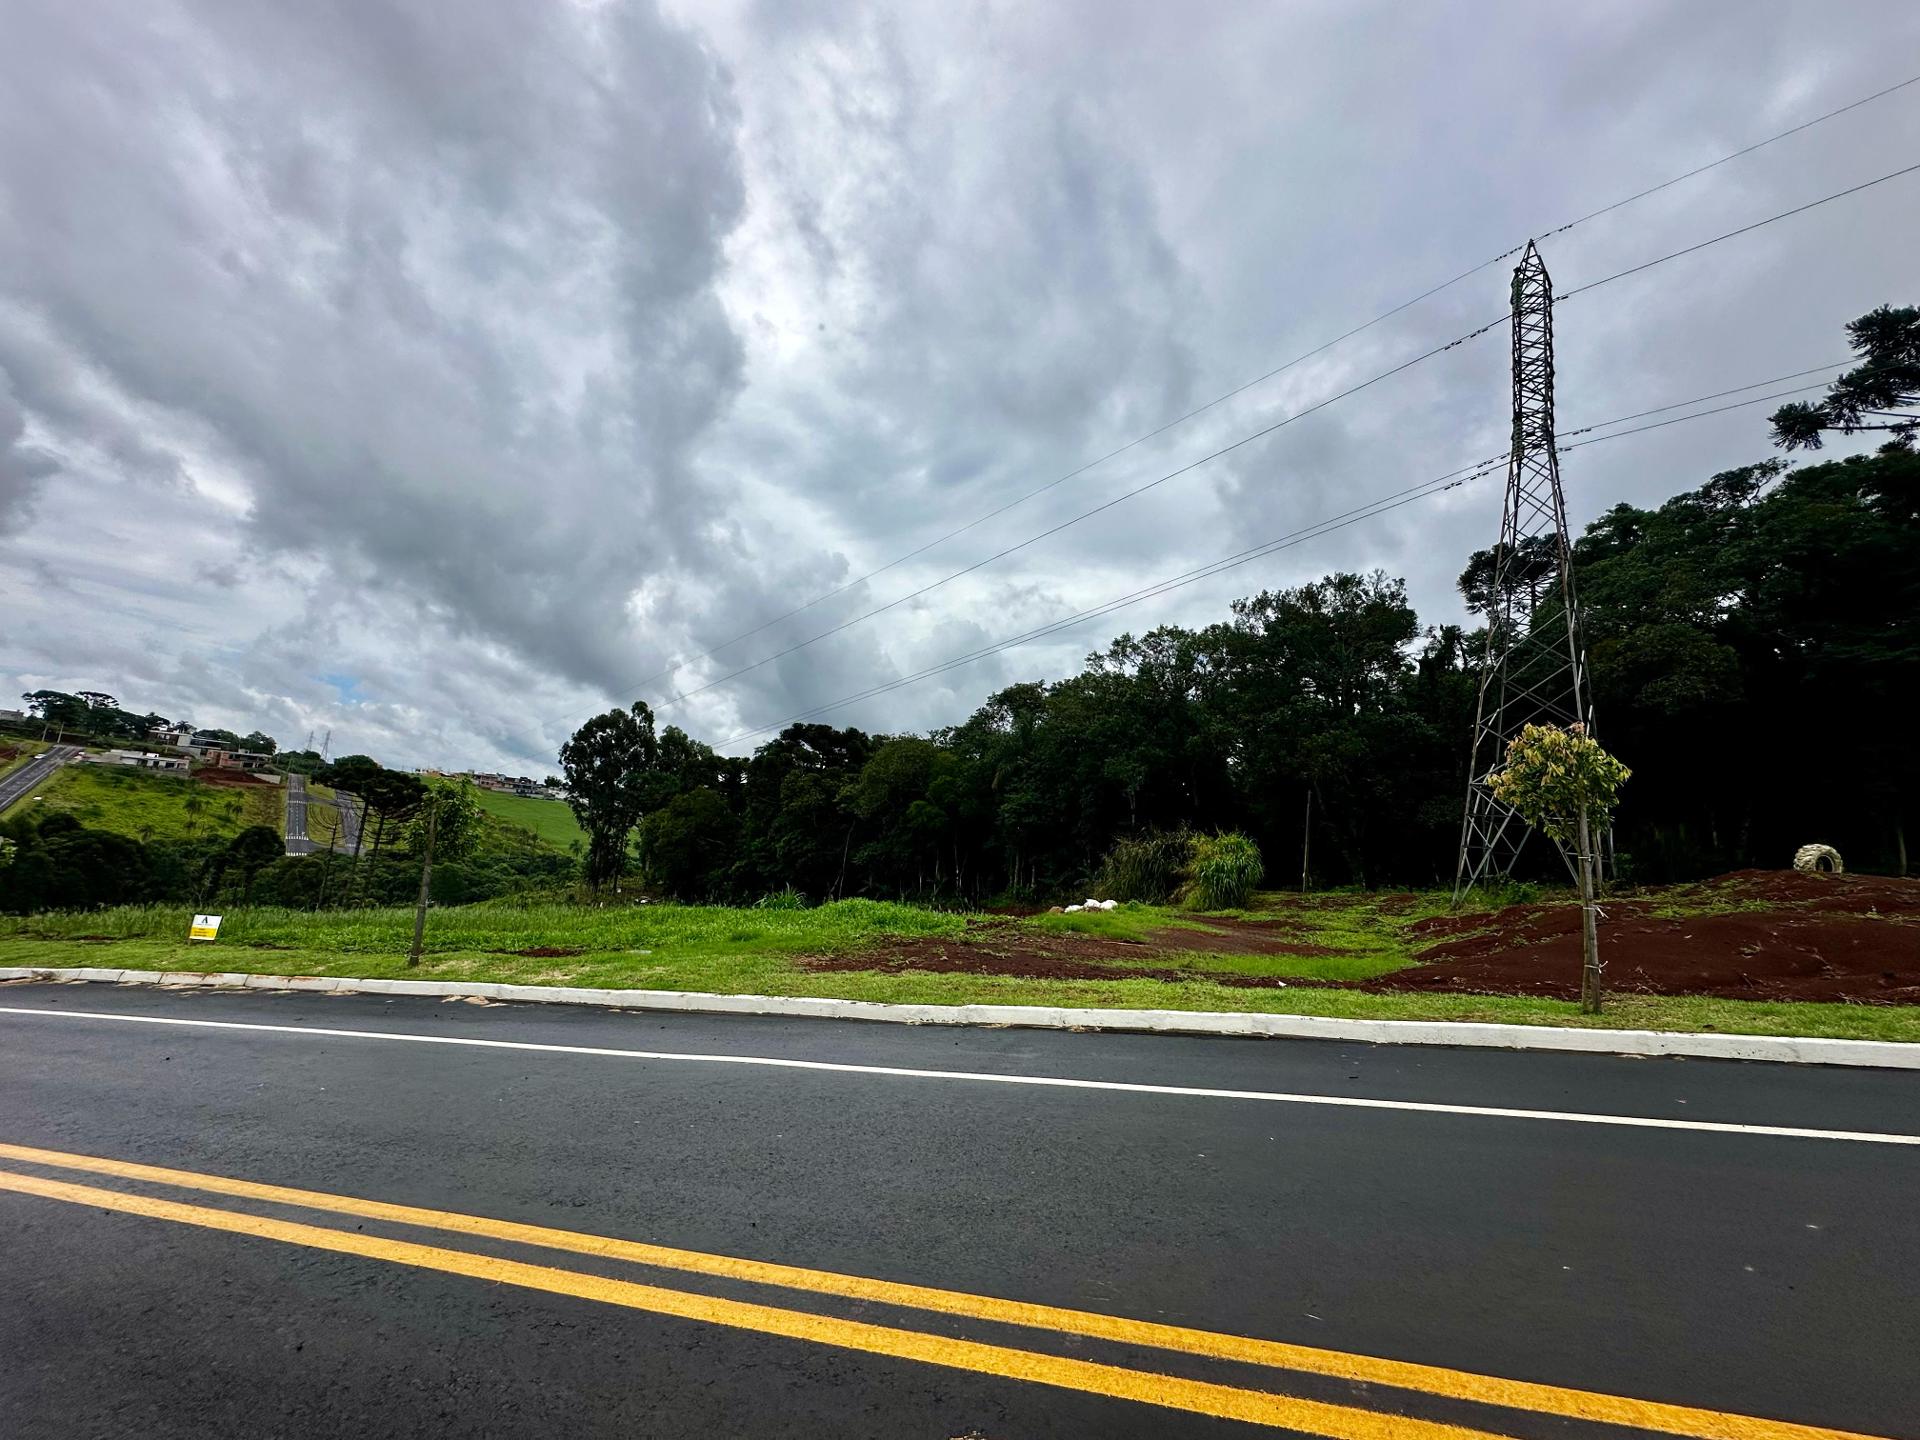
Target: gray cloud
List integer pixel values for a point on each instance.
(22, 466)
(439, 382)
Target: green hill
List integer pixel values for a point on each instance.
(551, 820)
(147, 805)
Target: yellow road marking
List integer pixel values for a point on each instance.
(1430, 1379)
(1311, 1417)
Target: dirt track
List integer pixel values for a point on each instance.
(1801, 937)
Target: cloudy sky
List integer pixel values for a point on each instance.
(438, 374)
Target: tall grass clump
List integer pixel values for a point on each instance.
(1222, 871)
(1149, 868)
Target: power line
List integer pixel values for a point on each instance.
(1381, 505)
(1085, 514)
(1702, 399)
(1735, 155)
(1268, 375)
(1697, 415)
(1743, 230)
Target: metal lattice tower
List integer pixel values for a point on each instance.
(1535, 666)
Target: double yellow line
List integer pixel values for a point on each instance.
(1262, 1407)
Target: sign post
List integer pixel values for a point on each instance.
(205, 927)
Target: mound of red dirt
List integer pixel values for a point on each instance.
(1819, 937)
(238, 778)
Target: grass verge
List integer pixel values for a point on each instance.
(705, 948)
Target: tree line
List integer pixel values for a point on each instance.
(1754, 650)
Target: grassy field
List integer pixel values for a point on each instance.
(711, 948)
(551, 820)
(145, 805)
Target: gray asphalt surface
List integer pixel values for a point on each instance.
(300, 802)
(22, 781)
(1756, 1275)
(298, 842)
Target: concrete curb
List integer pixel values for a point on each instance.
(1880, 1054)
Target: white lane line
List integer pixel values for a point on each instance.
(1347, 1102)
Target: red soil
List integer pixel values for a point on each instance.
(1001, 948)
(1821, 937)
(237, 778)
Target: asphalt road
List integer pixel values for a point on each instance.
(299, 802)
(1628, 1256)
(22, 781)
(298, 842)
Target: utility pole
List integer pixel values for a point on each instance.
(426, 884)
(1535, 663)
(1306, 838)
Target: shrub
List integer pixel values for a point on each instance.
(1222, 871)
(1149, 868)
(787, 899)
(1551, 775)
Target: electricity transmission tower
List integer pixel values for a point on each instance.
(1535, 668)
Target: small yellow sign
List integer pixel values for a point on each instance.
(205, 927)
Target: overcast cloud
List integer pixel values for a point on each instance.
(436, 374)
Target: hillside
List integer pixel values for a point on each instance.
(551, 820)
(144, 805)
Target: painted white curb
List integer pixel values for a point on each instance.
(1881, 1054)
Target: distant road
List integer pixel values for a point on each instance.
(34, 773)
(298, 801)
(297, 841)
(521, 1221)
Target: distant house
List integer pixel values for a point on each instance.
(14, 717)
(139, 759)
(177, 735)
(219, 757)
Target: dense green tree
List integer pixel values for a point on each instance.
(687, 846)
(612, 767)
(251, 851)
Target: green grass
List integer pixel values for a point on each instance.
(715, 948)
(147, 805)
(757, 966)
(502, 926)
(551, 820)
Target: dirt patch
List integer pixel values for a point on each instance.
(1236, 937)
(1003, 947)
(1821, 937)
(238, 779)
(542, 952)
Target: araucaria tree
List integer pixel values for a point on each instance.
(1882, 392)
(609, 766)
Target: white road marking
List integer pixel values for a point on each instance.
(1345, 1102)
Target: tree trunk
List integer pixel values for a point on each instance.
(426, 883)
(1589, 925)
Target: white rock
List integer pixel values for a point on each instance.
(1073, 910)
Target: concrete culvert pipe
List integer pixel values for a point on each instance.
(1818, 857)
